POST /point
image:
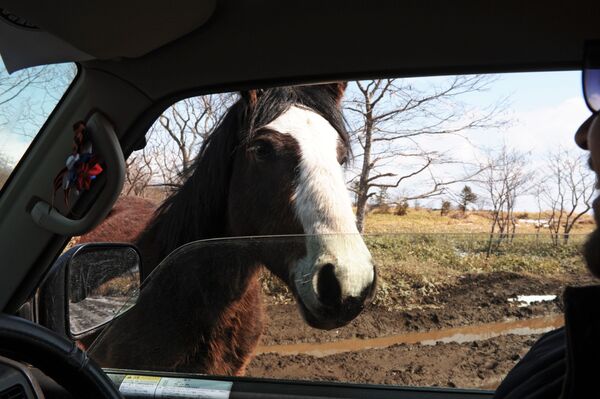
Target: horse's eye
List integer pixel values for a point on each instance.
(263, 149)
(344, 160)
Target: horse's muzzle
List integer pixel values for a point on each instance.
(332, 310)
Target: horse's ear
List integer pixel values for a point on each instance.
(336, 90)
(251, 97)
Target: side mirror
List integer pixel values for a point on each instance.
(87, 287)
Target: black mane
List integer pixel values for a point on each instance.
(196, 210)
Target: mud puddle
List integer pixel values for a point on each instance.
(457, 335)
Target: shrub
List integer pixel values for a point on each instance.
(446, 206)
(402, 208)
(118, 286)
(466, 197)
(586, 221)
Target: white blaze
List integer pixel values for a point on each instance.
(323, 206)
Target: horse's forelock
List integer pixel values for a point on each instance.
(263, 107)
(326, 101)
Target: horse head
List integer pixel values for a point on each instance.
(287, 177)
(274, 166)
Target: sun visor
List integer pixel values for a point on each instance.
(42, 32)
(22, 47)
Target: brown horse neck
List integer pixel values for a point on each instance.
(205, 302)
(153, 251)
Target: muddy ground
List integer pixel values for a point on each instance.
(475, 361)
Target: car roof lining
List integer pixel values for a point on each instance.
(37, 32)
(264, 43)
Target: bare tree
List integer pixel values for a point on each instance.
(505, 178)
(539, 192)
(11, 86)
(179, 132)
(173, 141)
(138, 174)
(26, 99)
(568, 191)
(389, 122)
(29, 95)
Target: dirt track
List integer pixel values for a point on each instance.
(473, 300)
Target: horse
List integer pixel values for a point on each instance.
(272, 166)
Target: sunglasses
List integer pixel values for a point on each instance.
(591, 76)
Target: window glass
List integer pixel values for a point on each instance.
(398, 231)
(27, 97)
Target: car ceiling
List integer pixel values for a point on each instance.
(237, 42)
(38, 32)
(240, 44)
(282, 42)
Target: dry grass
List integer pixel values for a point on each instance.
(430, 221)
(122, 286)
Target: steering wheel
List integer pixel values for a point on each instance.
(56, 356)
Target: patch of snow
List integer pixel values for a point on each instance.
(526, 300)
(535, 222)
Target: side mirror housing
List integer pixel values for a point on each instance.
(87, 287)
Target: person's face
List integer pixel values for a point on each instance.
(588, 138)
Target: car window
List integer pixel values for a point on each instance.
(27, 98)
(395, 231)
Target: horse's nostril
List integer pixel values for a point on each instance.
(329, 290)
